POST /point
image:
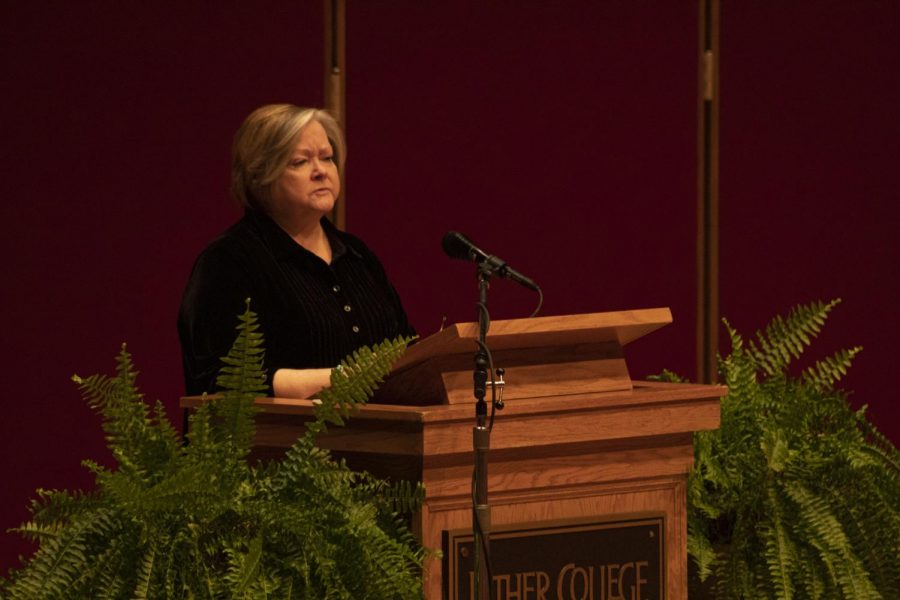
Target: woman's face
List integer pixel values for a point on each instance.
(310, 183)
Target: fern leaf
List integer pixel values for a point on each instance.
(57, 563)
(179, 521)
(803, 491)
(144, 588)
(701, 550)
(831, 541)
(110, 572)
(866, 533)
(738, 371)
(202, 446)
(668, 376)
(405, 497)
(167, 433)
(787, 338)
(181, 490)
(775, 448)
(141, 444)
(243, 371)
(880, 447)
(828, 371)
(245, 566)
(780, 553)
(243, 379)
(53, 510)
(354, 382)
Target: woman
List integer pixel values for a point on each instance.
(320, 293)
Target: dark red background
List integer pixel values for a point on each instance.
(810, 190)
(549, 137)
(117, 126)
(561, 136)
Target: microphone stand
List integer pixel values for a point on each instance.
(481, 440)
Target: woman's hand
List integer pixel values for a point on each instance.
(300, 383)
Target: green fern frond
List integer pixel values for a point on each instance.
(149, 565)
(244, 566)
(831, 541)
(124, 419)
(781, 554)
(879, 448)
(775, 447)
(140, 443)
(182, 490)
(57, 563)
(37, 532)
(243, 366)
(243, 379)
(200, 435)
(870, 537)
(700, 549)
(668, 376)
(54, 509)
(786, 338)
(405, 497)
(828, 371)
(354, 383)
(167, 437)
(801, 493)
(734, 569)
(738, 370)
(198, 521)
(108, 574)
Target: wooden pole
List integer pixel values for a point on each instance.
(708, 192)
(335, 85)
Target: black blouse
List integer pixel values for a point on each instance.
(312, 314)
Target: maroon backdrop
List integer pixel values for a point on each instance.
(810, 188)
(117, 124)
(560, 137)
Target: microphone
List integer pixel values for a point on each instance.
(458, 246)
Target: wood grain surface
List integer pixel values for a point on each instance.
(593, 456)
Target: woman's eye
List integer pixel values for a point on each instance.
(328, 158)
(298, 162)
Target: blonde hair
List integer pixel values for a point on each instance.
(263, 145)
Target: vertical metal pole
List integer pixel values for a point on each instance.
(708, 192)
(335, 72)
(481, 442)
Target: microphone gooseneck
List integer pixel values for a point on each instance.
(457, 245)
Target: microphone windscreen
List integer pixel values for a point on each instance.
(456, 245)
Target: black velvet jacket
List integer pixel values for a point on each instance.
(312, 314)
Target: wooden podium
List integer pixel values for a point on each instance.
(579, 444)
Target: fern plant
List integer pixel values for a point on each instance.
(795, 495)
(198, 520)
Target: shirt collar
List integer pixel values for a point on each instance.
(283, 246)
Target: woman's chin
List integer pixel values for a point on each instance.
(324, 205)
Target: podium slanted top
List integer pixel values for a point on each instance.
(554, 355)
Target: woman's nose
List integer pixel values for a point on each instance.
(317, 169)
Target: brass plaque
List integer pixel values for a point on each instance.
(620, 560)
